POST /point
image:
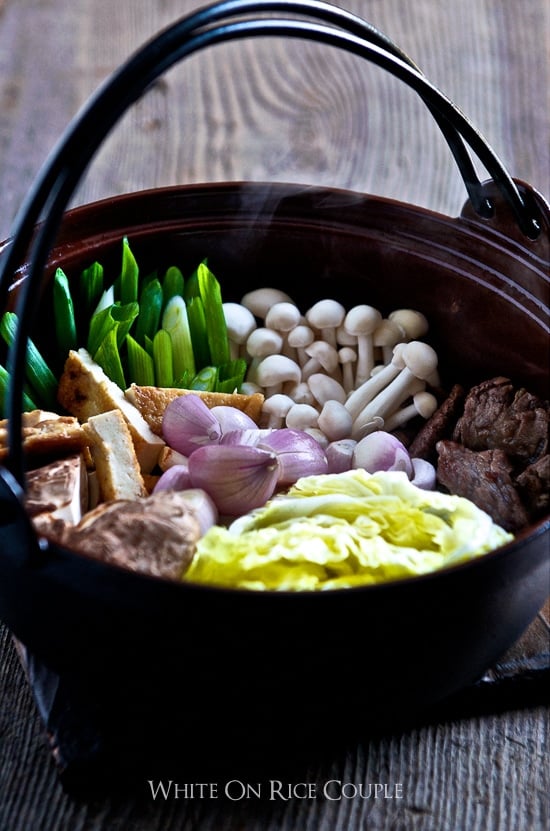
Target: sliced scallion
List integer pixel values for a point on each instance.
(65, 325)
(150, 308)
(38, 373)
(117, 317)
(108, 357)
(205, 380)
(176, 322)
(91, 287)
(197, 327)
(162, 358)
(172, 284)
(28, 403)
(140, 364)
(129, 275)
(216, 330)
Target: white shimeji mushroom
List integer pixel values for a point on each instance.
(274, 370)
(298, 338)
(420, 362)
(362, 321)
(325, 388)
(275, 409)
(347, 357)
(413, 323)
(326, 316)
(261, 343)
(259, 301)
(302, 416)
(322, 356)
(423, 404)
(335, 421)
(386, 336)
(361, 396)
(240, 324)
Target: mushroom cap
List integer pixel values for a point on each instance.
(283, 316)
(259, 301)
(276, 369)
(425, 403)
(324, 388)
(301, 416)
(335, 421)
(362, 320)
(420, 358)
(263, 341)
(347, 355)
(388, 333)
(277, 405)
(239, 320)
(301, 336)
(413, 323)
(326, 314)
(323, 352)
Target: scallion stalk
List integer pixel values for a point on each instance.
(108, 357)
(176, 322)
(231, 376)
(172, 284)
(205, 380)
(117, 317)
(216, 330)
(197, 327)
(37, 371)
(91, 287)
(150, 308)
(140, 364)
(65, 325)
(162, 358)
(28, 403)
(129, 275)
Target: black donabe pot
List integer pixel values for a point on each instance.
(194, 666)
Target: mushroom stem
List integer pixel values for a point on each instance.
(420, 361)
(424, 404)
(360, 397)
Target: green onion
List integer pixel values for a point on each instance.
(119, 318)
(176, 322)
(216, 331)
(172, 284)
(197, 327)
(91, 287)
(108, 357)
(38, 373)
(231, 375)
(150, 307)
(192, 287)
(28, 403)
(129, 275)
(65, 326)
(140, 364)
(205, 380)
(184, 381)
(162, 358)
(106, 300)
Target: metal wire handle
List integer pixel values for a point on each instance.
(209, 26)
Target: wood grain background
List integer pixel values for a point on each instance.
(297, 112)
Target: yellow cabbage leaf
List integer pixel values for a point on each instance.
(342, 530)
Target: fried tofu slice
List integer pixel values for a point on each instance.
(117, 468)
(45, 433)
(152, 402)
(85, 391)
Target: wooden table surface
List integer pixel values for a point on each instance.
(277, 110)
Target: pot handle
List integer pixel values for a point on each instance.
(224, 21)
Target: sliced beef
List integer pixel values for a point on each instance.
(439, 426)
(496, 415)
(484, 477)
(534, 487)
